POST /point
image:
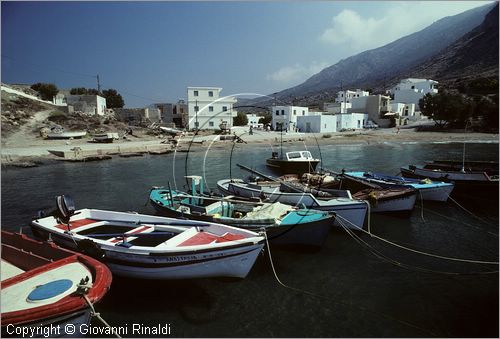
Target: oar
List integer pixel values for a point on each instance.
(189, 223)
(125, 235)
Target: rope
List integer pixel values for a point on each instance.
(337, 301)
(466, 210)
(422, 205)
(380, 255)
(424, 253)
(98, 316)
(464, 223)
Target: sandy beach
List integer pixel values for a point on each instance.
(29, 150)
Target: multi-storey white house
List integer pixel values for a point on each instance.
(208, 110)
(411, 90)
(346, 96)
(286, 116)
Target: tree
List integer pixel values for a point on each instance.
(47, 91)
(83, 91)
(446, 108)
(240, 120)
(267, 118)
(113, 98)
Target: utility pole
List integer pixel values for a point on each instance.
(196, 115)
(98, 85)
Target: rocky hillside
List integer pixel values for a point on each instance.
(383, 67)
(473, 56)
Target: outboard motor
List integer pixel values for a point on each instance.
(65, 208)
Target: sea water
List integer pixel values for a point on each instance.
(354, 286)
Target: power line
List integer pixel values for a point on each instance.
(48, 67)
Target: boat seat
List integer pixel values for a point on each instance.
(9, 270)
(76, 224)
(137, 230)
(205, 238)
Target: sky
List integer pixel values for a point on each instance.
(152, 51)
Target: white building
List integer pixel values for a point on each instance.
(317, 124)
(207, 110)
(253, 120)
(351, 121)
(411, 90)
(337, 107)
(89, 104)
(346, 96)
(286, 116)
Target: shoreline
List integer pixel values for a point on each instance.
(35, 152)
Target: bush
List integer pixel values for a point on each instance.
(47, 91)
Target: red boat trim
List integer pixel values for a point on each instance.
(76, 224)
(101, 282)
(203, 238)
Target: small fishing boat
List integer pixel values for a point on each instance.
(382, 200)
(296, 162)
(47, 287)
(473, 178)
(60, 133)
(105, 137)
(428, 190)
(293, 162)
(151, 247)
(344, 206)
(399, 199)
(284, 224)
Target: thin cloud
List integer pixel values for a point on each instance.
(292, 74)
(353, 33)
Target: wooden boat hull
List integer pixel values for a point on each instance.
(66, 135)
(312, 233)
(477, 185)
(350, 210)
(29, 265)
(431, 191)
(292, 167)
(233, 259)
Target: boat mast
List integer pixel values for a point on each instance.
(463, 150)
(281, 141)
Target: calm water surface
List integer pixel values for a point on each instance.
(353, 287)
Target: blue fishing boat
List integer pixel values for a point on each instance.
(283, 224)
(428, 189)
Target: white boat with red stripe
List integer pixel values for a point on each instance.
(152, 247)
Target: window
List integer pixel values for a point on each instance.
(210, 93)
(303, 112)
(294, 112)
(210, 108)
(224, 108)
(282, 112)
(277, 112)
(211, 123)
(195, 93)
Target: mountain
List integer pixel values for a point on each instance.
(382, 67)
(475, 55)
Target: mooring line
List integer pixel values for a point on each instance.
(382, 256)
(421, 252)
(337, 301)
(466, 210)
(460, 221)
